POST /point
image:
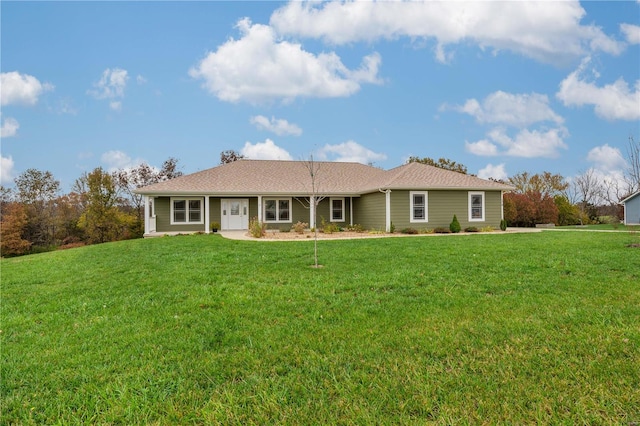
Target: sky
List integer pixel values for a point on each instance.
(501, 87)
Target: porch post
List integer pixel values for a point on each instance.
(351, 211)
(388, 210)
(260, 208)
(312, 211)
(207, 214)
(146, 214)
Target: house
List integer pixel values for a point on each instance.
(632, 209)
(279, 194)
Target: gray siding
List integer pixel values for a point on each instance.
(632, 211)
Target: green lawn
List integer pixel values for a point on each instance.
(487, 328)
(603, 227)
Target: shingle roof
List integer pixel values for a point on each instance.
(423, 176)
(271, 177)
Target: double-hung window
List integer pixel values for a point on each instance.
(277, 210)
(476, 206)
(419, 206)
(186, 211)
(337, 209)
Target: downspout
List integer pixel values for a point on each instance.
(387, 222)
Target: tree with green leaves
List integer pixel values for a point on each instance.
(443, 163)
(229, 156)
(101, 219)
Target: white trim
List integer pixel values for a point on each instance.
(412, 219)
(278, 199)
(484, 202)
(387, 210)
(147, 214)
(187, 199)
(351, 211)
(207, 221)
(331, 219)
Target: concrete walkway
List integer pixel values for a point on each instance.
(243, 235)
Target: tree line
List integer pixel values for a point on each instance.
(101, 207)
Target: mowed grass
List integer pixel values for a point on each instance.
(489, 328)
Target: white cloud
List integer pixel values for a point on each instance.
(258, 67)
(631, 33)
(21, 89)
(495, 172)
(546, 31)
(607, 158)
(350, 151)
(526, 144)
(276, 125)
(9, 127)
(111, 85)
(266, 150)
(140, 79)
(518, 110)
(6, 169)
(613, 101)
(482, 147)
(116, 160)
(115, 105)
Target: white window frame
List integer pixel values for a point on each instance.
(277, 200)
(187, 215)
(412, 219)
(484, 202)
(331, 210)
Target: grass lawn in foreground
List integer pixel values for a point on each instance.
(488, 328)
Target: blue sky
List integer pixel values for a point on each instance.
(502, 87)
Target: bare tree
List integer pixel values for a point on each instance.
(632, 173)
(314, 201)
(587, 189)
(128, 180)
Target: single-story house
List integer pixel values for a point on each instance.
(632, 209)
(281, 193)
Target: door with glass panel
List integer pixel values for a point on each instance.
(235, 214)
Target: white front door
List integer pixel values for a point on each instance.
(235, 214)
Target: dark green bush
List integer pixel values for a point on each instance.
(454, 226)
(503, 225)
(471, 229)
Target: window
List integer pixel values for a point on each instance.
(186, 211)
(419, 205)
(277, 210)
(337, 209)
(476, 206)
